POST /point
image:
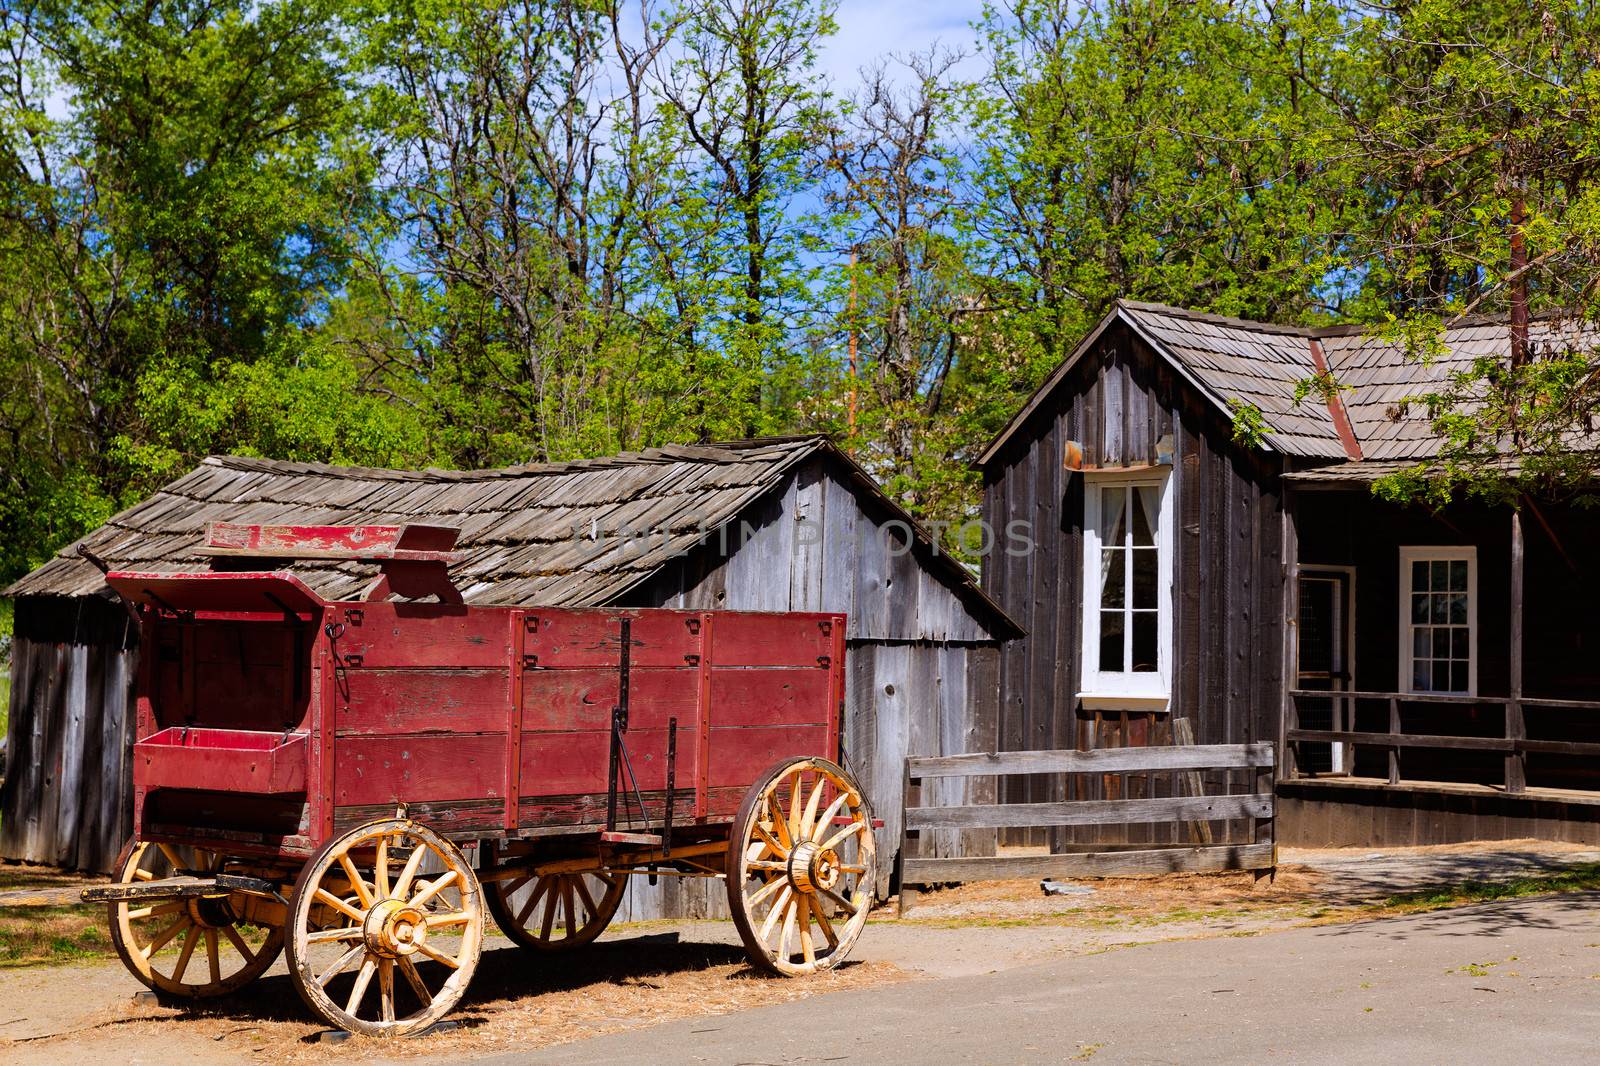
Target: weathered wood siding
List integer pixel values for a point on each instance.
(1228, 572)
(921, 670)
(67, 799)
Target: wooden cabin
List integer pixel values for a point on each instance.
(777, 525)
(1428, 676)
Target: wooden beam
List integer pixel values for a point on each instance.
(1516, 725)
(1105, 760)
(1091, 812)
(1384, 740)
(1091, 864)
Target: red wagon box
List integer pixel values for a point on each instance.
(315, 768)
(222, 760)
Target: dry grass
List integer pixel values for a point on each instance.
(34, 936)
(1129, 901)
(518, 1002)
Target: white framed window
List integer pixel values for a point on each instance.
(1439, 620)
(1127, 589)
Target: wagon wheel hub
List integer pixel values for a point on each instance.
(211, 912)
(393, 929)
(813, 867)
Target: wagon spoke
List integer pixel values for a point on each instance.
(189, 941)
(143, 875)
(795, 788)
(532, 901)
(778, 908)
(567, 907)
(414, 979)
(408, 873)
(806, 949)
(386, 988)
(829, 814)
(238, 943)
(435, 921)
(839, 901)
(766, 864)
(549, 912)
(770, 840)
(780, 824)
(437, 885)
(760, 895)
(583, 891)
(821, 914)
(842, 835)
(357, 882)
(341, 964)
(809, 819)
(172, 857)
(331, 936)
(159, 941)
(438, 956)
(788, 926)
(154, 912)
(324, 896)
(363, 979)
(380, 868)
(211, 955)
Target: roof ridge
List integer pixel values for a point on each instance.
(1255, 325)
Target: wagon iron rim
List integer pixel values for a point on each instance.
(189, 948)
(800, 867)
(363, 907)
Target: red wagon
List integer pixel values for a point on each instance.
(361, 782)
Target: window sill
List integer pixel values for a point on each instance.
(1116, 701)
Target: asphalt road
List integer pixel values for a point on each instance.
(1507, 983)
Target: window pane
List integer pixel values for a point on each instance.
(1458, 677)
(1113, 515)
(1441, 643)
(1458, 608)
(1419, 607)
(1421, 642)
(1111, 640)
(1458, 575)
(1112, 590)
(1145, 515)
(1441, 575)
(1144, 642)
(1420, 676)
(1144, 578)
(1441, 606)
(1419, 576)
(1460, 643)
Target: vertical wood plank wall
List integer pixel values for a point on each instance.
(67, 794)
(1228, 573)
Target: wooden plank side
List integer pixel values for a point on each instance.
(415, 769)
(739, 755)
(1092, 812)
(583, 699)
(587, 639)
(558, 763)
(749, 639)
(1105, 760)
(798, 696)
(1091, 864)
(390, 701)
(420, 635)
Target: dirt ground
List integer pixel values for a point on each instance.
(644, 974)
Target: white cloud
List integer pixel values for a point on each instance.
(872, 30)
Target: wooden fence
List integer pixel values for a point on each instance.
(1253, 810)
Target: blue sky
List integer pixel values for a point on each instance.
(869, 29)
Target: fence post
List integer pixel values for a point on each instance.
(1394, 749)
(911, 839)
(1516, 727)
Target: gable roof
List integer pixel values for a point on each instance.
(1262, 364)
(538, 534)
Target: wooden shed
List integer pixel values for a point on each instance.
(1206, 550)
(789, 524)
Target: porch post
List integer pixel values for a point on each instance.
(1288, 768)
(1516, 728)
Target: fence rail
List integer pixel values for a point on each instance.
(1513, 743)
(1256, 807)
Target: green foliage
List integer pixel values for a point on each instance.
(1249, 427)
(409, 232)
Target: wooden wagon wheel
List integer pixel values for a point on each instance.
(183, 947)
(800, 867)
(556, 912)
(363, 909)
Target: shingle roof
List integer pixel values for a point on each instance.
(527, 532)
(1261, 363)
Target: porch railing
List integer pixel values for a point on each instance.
(1513, 743)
